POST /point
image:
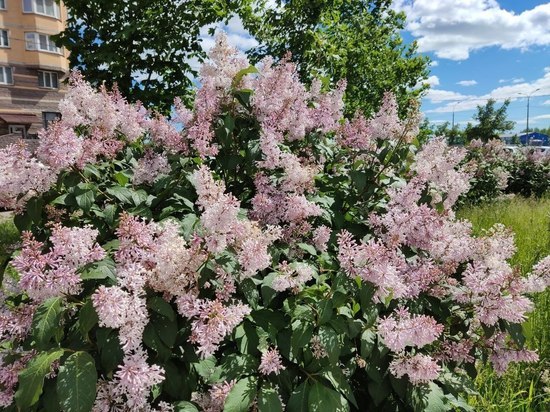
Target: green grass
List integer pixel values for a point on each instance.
(524, 387)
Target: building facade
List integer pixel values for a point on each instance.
(32, 68)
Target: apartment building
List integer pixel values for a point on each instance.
(32, 68)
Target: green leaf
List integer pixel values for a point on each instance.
(339, 381)
(84, 199)
(428, 398)
(301, 335)
(368, 340)
(329, 339)
(110, 351)
(268, 399)
(359, 178)
(76, 382)
(123, 194)
(324, 399)
(185, 406)
(87, 318)
(298, 400)
(46, 322)
(241, 395)
(121, 178)
(31, 379)
(308, 248)
(99, 270)
(163, 308)
(110, 214)
(240, 74)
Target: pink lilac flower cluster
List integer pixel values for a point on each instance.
(403, 329)
(292, 276)
(223, 226)
(503, 353)
(150, 167)
(489, 287)
(21, 174)
(436, 164)
(362, 134)
(419, 368)
(216, 77)
(9, 376)
(211, 320)
(214, 400)
(271, 362)
(55, 273)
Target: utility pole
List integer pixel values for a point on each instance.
(528, 98)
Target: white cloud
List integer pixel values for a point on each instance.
(432, 81)
(434, 63)
(458, 102)
(541, 117)
(546, 103)
(237, 35)
(467, 83)
(452, 29)
(519, 80)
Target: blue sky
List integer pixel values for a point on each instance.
(480, 49)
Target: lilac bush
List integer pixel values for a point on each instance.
(257, 252)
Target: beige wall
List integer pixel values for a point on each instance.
(17, 22)
(24, 95)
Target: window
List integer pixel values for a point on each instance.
(4, 38)
(37, 41)
(48, 117)
(47, 80)
(18, 128)
(6, 75)
(2, 4)
(45, 7)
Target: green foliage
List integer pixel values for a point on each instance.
(31, 379)
(143, 46)
(76, 379)
(490, 122)
(357, 40)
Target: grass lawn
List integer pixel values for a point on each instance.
(524, 387)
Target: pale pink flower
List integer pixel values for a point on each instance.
(271, 362)
(135, 378)
(214, 400)
(321, 236)
(293, 276)
(419, 368)
(59, 147)
(503, 354)
(211, 321)
(112, 305)
(403, 329)
(150, 167)
(22, 176)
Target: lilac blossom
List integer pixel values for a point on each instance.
(271, 362)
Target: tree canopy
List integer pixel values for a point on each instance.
(147, 46)
(356, 40)
(491, 122)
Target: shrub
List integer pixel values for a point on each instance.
(497, 171)
(266, 254)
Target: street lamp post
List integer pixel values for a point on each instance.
(529, 98)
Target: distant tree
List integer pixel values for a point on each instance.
(490, 122)
(145, 46)
(358, 40)
(453, 134)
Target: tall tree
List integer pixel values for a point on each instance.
(358, 40)
(490, 122)
(146, 46)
